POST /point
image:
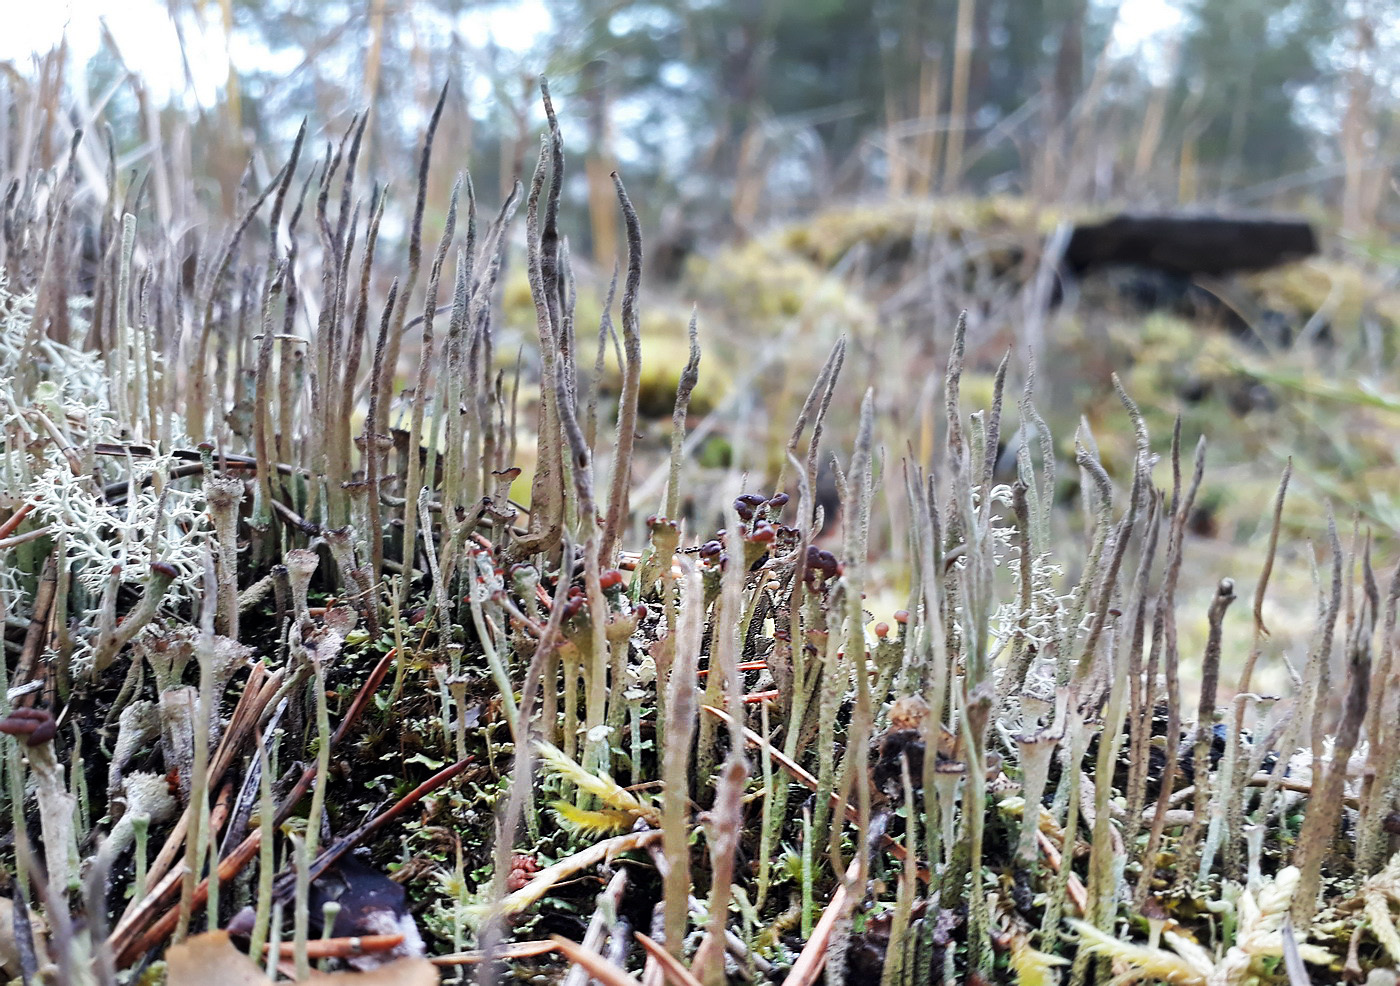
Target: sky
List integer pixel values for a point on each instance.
(147, 39)
(143, 33)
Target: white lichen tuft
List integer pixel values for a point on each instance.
(60, 401)
(168, 526)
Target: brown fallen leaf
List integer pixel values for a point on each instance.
(211, 959)
(9, 944)
(401, 972)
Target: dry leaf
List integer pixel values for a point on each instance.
(9, 945)
(401, 972)
(211, 959)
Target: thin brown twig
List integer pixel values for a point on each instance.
(506, 953)
(256, 694)
(598, 967)
(15, 519)
(127, 947)
(671, 967)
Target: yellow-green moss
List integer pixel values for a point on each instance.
(890, 227)
(1344, 292)
(764, 284)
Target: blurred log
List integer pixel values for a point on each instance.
(1189, 245)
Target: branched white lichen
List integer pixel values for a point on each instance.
(1046, 622)
(1050, 608)
(13, 598)
(80, 375)
(66, 407)
(1259, 935)
(168, 526)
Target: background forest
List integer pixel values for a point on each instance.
(776, 107)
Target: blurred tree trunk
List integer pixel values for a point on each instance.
(958, 121)
(1068, 89)
(749, 179)
(1187, 177)
(374, 59)
(745, 51)
(1358, 137)
(909, 77)
(1150, 135)
(897, 165)
(599, 165)
(235, 97)
(515, 146)
(930, 135)
(1069, 61)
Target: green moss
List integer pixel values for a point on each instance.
(890, 228)
(1345, 294)
(761, 281)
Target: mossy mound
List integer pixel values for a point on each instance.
(766, 283)
(891, 230)
(1343, 295)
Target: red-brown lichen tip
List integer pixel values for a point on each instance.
(38, 726)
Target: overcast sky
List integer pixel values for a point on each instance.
(147, 38)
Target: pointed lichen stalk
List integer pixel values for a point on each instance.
(261, 520)
(198, 840)
(413, 483)
(1320, 821)
(680, 725)
(1079, 738)
(977, 709)
(548, 489)
(631, 379)
(197, 405)
(318, 648)
(1205, 729)
(1235, 767)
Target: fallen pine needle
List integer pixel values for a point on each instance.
(569, 865)
(518, 950)
(671, 966)
(810, 963)
(340, 948)
(598, 967)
